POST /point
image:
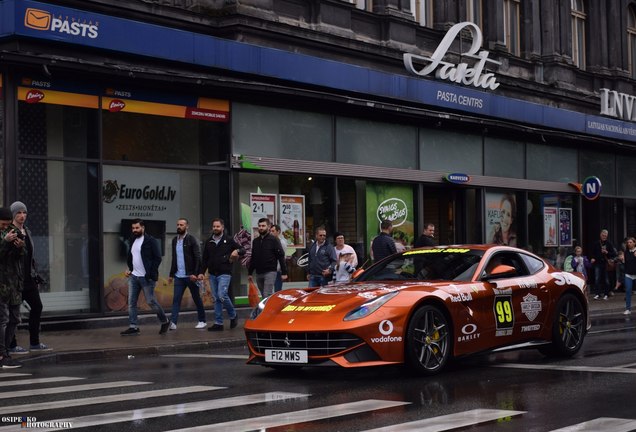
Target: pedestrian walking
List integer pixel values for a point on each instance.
(322, 260)
(12, 249)
(603, 253)
(219, 252)
(266, 253)
(276, 232)
(184, 271)
(31, 284)
(143, 262)
(579, 262)
(630, 273)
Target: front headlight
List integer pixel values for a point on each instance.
(369, 307)
(258, 309)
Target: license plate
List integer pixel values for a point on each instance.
(285, 356)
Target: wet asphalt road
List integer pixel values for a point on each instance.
(524, 391)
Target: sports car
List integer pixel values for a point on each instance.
(423, 307)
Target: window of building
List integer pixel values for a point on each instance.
(631, 40)
(578, 33)
(511, 26)
(503, 158)
(423, 12)
(281, 133)
(366, 142)
(626, 169)
(474, 12)
(450, 152)
(551, 163)
(601, 165)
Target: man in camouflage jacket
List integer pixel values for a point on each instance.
(11, 283)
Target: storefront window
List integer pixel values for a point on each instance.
(450, 152)
(155, 138)
(366, 142)
(60, 199)
(281, 133)
(601, 165)
(626, 168)
(553, 226)
(503, 158)
(57, 130)
(551, 163)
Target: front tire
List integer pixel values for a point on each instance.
(428, 340)
(568, 328)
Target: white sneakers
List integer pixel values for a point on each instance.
(627, 312)
(173, 326)
(201, 325)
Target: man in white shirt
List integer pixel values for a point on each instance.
(143, 262)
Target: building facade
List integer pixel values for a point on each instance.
(506, 121)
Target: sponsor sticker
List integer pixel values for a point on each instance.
(531, 306)
(386, 328)
(292, 308)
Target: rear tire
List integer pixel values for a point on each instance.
(428, 341)
(568, 328)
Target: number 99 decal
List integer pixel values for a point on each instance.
(504, 314)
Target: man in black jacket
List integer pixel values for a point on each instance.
(184, 270)
(383, 245)
(143, 262)
(219, 252)
(428, 236)
(267, 253)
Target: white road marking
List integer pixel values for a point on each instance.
(277, 420)
(39, 381)
(220, 356)
(11, 375)
(68, 389)
(606, 424)
(449, 422)
(106, 399)
(567, 368)
(167, 410)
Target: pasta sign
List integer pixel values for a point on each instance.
(394, 210)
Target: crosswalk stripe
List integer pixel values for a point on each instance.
(168, 410)
(567, 368)
(219, 356)
(12, 375)
(606, 424)
(68, 389)
(449, 422)
(106, 399)
(39, 381)
(277, 420)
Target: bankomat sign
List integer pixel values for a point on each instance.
(44, 20)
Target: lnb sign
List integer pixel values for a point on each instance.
(591, 187)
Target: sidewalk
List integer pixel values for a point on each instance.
(98, 341)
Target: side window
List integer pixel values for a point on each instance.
(533, 264)
(509, 259)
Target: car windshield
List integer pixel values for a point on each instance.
(454, 264)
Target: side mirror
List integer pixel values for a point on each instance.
(501, 271)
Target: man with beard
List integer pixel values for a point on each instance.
(267, 253)
(143, 261)
(219, 252)
(184, 270)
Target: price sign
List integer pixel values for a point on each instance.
(550, 228)
(262, 206)
(292, 220)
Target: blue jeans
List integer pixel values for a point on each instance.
(278, 284)
(180, 284)
(316, 281)
(135, 285)
(220, 285)
(629, 284)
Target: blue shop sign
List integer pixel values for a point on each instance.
(457, 178)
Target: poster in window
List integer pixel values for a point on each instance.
(262, 206)
(501, 216)
(550, 228)
(565, 227)
(392, 202)
(292, 220)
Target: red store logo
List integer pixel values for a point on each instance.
(34, 96)
(116, 105)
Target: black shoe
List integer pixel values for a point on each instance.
(164, 327)
(216, 327)
(8, 363)
(234, 322)
(130, 331)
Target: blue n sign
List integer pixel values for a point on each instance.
(591, 188)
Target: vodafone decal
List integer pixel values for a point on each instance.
(386, 328)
